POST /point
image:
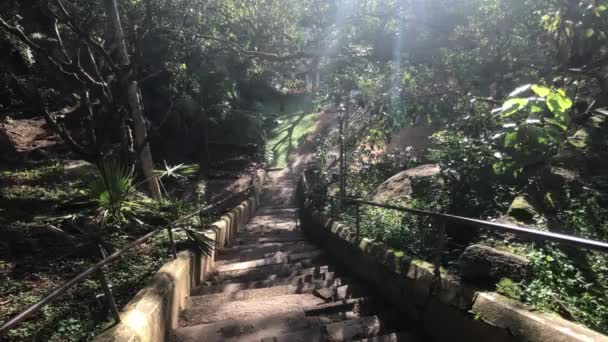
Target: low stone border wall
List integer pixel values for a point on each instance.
(153, 313)
(455, 311)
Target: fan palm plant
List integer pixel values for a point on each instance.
(112, 188)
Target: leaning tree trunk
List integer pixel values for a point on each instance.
(130, 88)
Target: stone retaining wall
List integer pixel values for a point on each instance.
(455, 311)
(153, 313)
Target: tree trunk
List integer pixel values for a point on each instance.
(130, 88)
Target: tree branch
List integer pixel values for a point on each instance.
(62, 132)
(258, 54)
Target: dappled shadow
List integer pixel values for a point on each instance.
(287, 139)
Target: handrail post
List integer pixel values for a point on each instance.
(439, 249)
(173, 249)
(103, 280)
(108, 295)
(357, 219)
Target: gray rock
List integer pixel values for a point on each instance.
(78, 168)
(521, 210)
(480, 263)
(399, 186)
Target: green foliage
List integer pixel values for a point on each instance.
(573, 284)
(112, 189)
(509, 288)
(288, 136)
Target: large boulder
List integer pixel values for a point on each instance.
(399, 186)
(483, 264)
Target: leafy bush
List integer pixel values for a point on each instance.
(509, 288)
(571, 284)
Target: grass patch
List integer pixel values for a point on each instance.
(285, 139)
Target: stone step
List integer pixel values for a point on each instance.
(271, 239)
(252, 253)
(277, 227)
(353, 329)
(394, 337)
(308, 335)
(279, 258)
(341, 292)
(262, 212)
(270, 235)
(265, 292)
(271, 272)
(253, 308)
(262, 220)
(247, 330)
(235, 249)
(315, 274)
(342, 305)
(288, 327)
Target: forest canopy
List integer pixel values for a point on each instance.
(515, 93)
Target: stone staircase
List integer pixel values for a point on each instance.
(272, 285)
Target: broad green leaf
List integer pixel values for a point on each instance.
(589, 32)
(558, 102)
(579, 139)
(510, 139)
(535, 108)
(498, 168)
(511, 106)
(557, 123)
(520, 90)
(540, 90)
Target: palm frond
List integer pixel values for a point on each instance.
(200, 242)
(111, 188)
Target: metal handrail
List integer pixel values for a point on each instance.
(517, 230)
(98, 267)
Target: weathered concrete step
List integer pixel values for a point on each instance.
(265, 292)
(341, 292)
(364, 305)
(394, 337)
(279, 258)
(271, 234)
(271, 220)
(314, 275)
(253, 308)
(353, 329)
(261, 212)
(301, 268)
(247, 330)
(308, 335)
(263, 252)
(279, 227)
(271, 239)
(255, 246)
(292, 326)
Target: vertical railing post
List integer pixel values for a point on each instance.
(357, 219)
(440, 245)
(106, 288)
(173, 249)
(108, 295)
